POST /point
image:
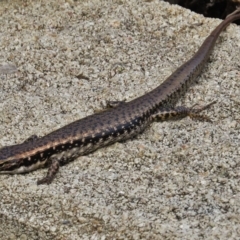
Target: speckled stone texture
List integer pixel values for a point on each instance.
(177, 180)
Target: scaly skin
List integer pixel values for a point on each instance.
(116, 124)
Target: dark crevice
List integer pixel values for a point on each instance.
(209, 8)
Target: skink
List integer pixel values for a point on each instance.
(116, 124)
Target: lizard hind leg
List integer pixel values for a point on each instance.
(110, 105)
(181, 112)
(194, 112)
(113, 104)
